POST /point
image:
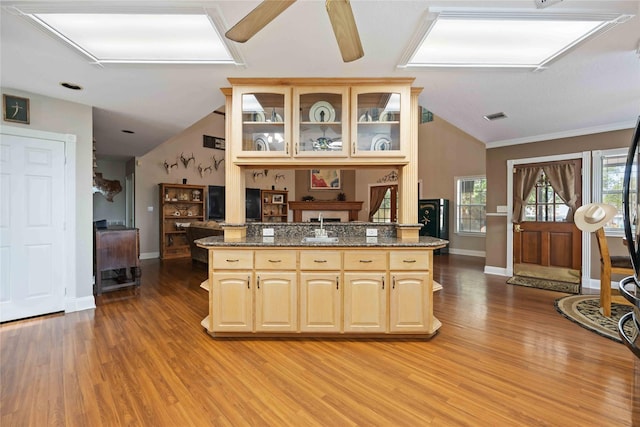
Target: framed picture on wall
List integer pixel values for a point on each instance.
(15, 109)
(325, 179)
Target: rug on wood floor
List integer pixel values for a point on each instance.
(585, 311)
(551, 285)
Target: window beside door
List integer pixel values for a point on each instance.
(608, 177)
(471, 205)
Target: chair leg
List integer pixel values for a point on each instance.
(605, 292)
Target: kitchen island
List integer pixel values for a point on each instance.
(274, 282)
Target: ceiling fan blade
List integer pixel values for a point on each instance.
(344, 27)
(264, 13)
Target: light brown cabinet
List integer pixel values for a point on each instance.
(180, 204)
(307, 121)
(378, 292)
(275, 205)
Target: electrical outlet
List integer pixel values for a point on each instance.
(149, 208)
(267, 232)
(372, 232)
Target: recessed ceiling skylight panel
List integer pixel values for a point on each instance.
(105, 38)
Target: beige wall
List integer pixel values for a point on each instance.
(497, 180)
(54, 115)
(303, 186)
(150, 171)
(444, 153)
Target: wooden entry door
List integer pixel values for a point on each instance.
(545, 244)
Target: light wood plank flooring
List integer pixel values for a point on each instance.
(503, 357)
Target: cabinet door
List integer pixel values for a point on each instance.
(380, 121)
(276, 301)
(409, 302)
(261, 122)
(231, 302)
(320, 301)
(365, 302)
(320, 124)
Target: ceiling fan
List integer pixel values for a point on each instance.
(340, 15)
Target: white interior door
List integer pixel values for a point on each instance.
(32, 212)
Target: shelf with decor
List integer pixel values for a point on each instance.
(275, 205)
(180, 205)
(298, 122)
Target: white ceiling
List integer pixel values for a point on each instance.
(594, 88)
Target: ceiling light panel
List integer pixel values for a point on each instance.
(502, 39)
(139, 38)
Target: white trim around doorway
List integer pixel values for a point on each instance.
(586, 198)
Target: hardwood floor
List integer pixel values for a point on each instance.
(503, 357)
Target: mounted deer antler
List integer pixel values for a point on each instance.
(185, 161)
(278, 177)
(200, 170)
(167, 166)
(216, 163)
(256, 175)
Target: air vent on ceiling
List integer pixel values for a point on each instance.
(541, 4)
(495, 116)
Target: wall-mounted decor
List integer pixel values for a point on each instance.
(185, 160)
(213, 142)
(15, 109)
(325, 179)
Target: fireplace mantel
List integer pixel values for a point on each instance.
(328, 205)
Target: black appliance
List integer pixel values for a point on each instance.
(434, 215)
(630, 286)
(216, 206)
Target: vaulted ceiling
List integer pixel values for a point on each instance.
(595, 87)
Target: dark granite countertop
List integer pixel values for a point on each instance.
(424, 241)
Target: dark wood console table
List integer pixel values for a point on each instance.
(329, 205)
(116, 251)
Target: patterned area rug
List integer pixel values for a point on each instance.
(551, 285)
(585, 311)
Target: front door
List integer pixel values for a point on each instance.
(547, 244)
(32, 211)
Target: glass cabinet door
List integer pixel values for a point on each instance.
(379, 121)
(264, 114)
(320, 124)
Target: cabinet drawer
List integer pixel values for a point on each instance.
(232, 259)
(320, 260)
(365, 260)
(276, 260)
(409, 260)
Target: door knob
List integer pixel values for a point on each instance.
(517, 228)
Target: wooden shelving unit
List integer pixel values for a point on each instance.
(180, 204)
(275, 205)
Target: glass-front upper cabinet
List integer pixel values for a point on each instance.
(261, 121)
(380, 121)
(320, 125)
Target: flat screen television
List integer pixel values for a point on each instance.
(216, 207)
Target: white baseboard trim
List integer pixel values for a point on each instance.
(497, 271)
(595, 284)
(480, 254)
(79, 304)
(149, 255)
